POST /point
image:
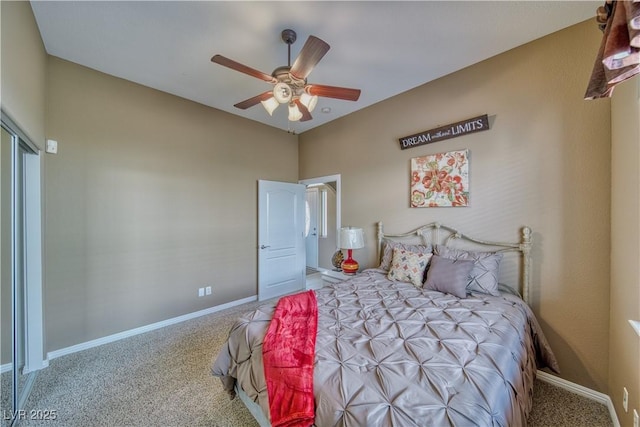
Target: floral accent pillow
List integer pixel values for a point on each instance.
(387, 251)
(407, 266)
(486, 269)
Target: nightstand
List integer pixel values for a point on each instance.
(332, 276)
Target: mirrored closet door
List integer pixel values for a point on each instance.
(21, 349)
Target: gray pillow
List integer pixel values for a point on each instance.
(484, 276)
(449, 275)
(387, 251)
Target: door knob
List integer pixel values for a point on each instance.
(264, 247)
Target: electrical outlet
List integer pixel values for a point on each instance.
(636, 420)
(200, 292)
(625, 399)
(208, 290)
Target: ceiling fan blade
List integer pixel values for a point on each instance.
(333, 92)
(253, 101)
(306, 115)
(312, 52)
(230, 63)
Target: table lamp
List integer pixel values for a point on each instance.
(350, 238)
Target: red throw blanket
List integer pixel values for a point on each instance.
(288, 353)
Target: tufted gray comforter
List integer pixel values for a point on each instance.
(390, 354)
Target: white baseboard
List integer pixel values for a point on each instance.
(26, 370)
(581, 391)
(132, 332)
(42, 364)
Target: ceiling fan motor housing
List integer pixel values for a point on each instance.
(283, 75)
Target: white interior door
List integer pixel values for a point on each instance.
(281, 248)
(311, 227)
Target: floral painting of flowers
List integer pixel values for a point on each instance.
(440, 180)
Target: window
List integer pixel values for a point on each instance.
(323, 222)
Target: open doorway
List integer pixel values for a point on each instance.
(322, 221)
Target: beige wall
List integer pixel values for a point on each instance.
(23, 72)
(624, 344)
(545, 163)
(149, 198)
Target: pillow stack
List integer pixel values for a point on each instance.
(389, 246)
(483, 277)
(453, 271)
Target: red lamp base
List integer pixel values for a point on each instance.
(349, 265)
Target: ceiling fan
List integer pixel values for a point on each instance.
(290, 81)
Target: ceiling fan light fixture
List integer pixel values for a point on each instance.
(309, 101)
(270, 105)
(282, 92)
(290, 81)
(294, 112)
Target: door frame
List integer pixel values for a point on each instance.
(312, 193)
(25, 212)
(34, 328)
(323, 180)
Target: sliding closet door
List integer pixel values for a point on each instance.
(20, 273)
(6, 280)
(19, 283)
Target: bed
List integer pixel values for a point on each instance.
(433, 335)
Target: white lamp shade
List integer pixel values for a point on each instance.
(270, 105)
(294, 113)
(282, 93)
(351, 238)
(309, 101)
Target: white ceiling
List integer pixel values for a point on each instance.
(382, 48)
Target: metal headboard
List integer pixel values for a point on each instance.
(444, 235)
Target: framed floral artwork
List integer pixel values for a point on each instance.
(440, 180)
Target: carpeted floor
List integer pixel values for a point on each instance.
(161, 378)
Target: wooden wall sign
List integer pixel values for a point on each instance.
(441, 133)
